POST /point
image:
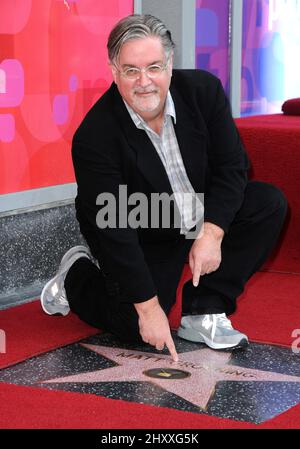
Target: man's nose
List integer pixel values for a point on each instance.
(143, 79)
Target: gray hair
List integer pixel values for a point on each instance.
(137, 26)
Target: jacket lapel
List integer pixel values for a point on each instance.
(148, 161)
(192, 137)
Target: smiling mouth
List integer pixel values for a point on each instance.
(145, 93)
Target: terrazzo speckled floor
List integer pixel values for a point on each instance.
(32, 245)
(251, 385)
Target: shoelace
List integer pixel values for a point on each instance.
(61, 299)
(217, 319)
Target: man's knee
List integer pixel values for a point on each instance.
(275, 197)
(266, 198)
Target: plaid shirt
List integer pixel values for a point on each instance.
(168, 150)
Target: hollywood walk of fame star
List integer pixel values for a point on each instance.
(204, 368)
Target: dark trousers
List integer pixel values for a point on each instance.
(245, 247)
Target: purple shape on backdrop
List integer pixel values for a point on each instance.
(203, 60)
(214, 22)
(13, 83)
(247, 77)
(215, 72)
(60, 109)
(7, 128)
(2, 82)
(207, 32)
(259, 14)
(270, 76)
(73, 83)
(247, 10)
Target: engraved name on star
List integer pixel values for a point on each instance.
(200, 369)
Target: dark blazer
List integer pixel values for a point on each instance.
(108, 150)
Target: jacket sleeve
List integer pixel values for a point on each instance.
(228, 164)
(96, 173)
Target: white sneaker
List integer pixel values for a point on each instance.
(213, 329)
(53, 296)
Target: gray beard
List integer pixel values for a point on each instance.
(147, 105)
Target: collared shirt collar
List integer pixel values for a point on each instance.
(169, 110)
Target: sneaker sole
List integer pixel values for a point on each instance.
(197, 337)
(42, 299)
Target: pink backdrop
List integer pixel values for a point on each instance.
(53, 67)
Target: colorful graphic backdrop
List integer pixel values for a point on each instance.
(53, 67)
(212, 38)
(271, 55)
(270, 50)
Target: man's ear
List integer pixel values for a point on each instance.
(114, 71)
(170, 65)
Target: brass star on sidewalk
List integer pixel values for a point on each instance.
(193, 377)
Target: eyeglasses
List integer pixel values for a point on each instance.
(152, 71)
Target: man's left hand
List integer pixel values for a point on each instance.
(205, 254)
